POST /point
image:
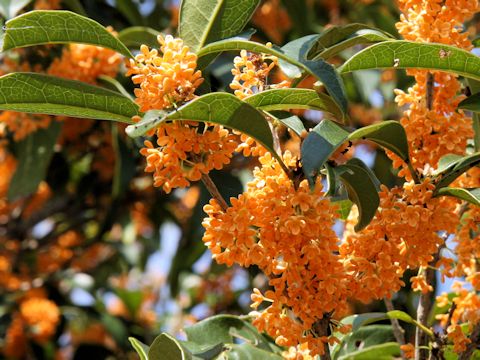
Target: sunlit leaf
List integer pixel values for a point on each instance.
(470, 195)
(140, 348)
(58, 27)
(455, 169)
(408, 55)
(166, 347)
(44, 94)
(205, 21)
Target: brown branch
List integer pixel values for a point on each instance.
(398, 331)
(213, 190)
(322, 329)
(429, 92)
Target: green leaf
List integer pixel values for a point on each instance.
(125, 165)
(115, 327)
(388, 134)
(386, 351)
(472, 103)
(135, 36)
(218, 108)
(215, 329)
(455, 169)
(406, 55)
(33, 154)
(75, 6)
(338, 35)
(339, 38)
(205, 21)
(364, 338)
(319, 145)
(10, 8)
(362, 187)
(140, 348)
(293, 122)
(447, 162)
(165, 347)
(359, 320)
(249, 352)
(344, 208)
(204, 352)
(470, 195)
(58, 27)
(44, 94)
(286, 99)
(131, 299)
(475, 88)
(320, 69)
(400, 315)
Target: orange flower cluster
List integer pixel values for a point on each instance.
(377, 256)
(251, 72)
(53, 257)
(433, 126)
(186, 151)
(23, 124)
(167, 79)
(86, 62)
(466, 310)
(286, 232)
(47, 4)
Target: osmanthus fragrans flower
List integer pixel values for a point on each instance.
(184, 151)
(286, 231)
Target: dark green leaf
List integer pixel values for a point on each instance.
(286, 99)
(215, 329)
(114, 84)
(10, 8)
(338, 34)
(165, 347)
(319, 145)
(319, 69)
(75, 6)
(339, 38)
(132, 299)
(446, 162)
(359, 320)
(364, 338)
(115, 327)
(362, 187)
(205, 21)
(44, 94)
(475, 88)
(135, 36)
(388, 134)
(130, 10)
(470, 195)
(219, 108)
(33, 155)
(204, 352)
(457, 168)
(58, 27)
(140, 348)
(472, 103)
(406, 55)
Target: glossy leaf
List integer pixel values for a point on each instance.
(320, 69)
(10, 8)
(140, 348)
(362, 187)
(58, 27)
(364, 338)
(135, 36)
(218, 108)
(293, 122)
(205, 21)
(44, 94)
(400, 315)
(166, 347)
(319, 145)
(33, 154)
(339, 38)
(406, 55)
(447, 162)
(454, 170)
(359, 320)
(470, 195)
(286, 99)
(389, 134)
(337, 35)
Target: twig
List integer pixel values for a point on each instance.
(429, 92)
(213, 190)
(398, 331)
(322, 329)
